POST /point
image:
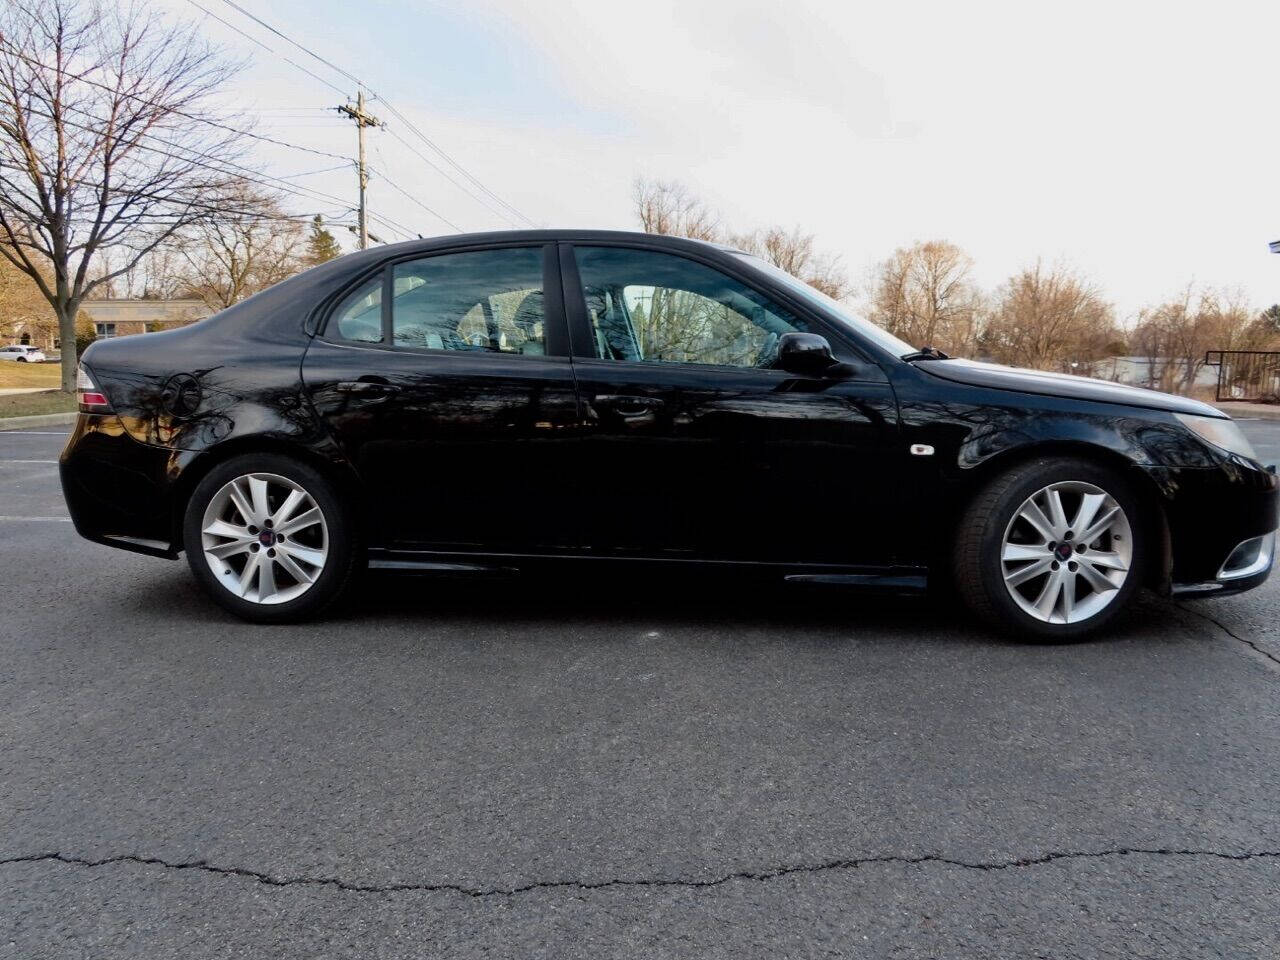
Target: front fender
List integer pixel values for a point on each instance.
(976, 433)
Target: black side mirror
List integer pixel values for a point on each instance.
(809, 354)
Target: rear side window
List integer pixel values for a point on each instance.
(485, 300)
(359, 316)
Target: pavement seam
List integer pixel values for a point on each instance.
(587, 885)
(1231, 633)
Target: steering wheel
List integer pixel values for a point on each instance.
(768, 351)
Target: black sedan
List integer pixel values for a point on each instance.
(549, 398)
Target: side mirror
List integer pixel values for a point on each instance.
(809, 354)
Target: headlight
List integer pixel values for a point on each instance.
(1220, 432)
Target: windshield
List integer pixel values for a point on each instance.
(830, 306)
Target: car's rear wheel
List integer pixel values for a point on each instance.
(1052, 549)
(22, 359)
(269, 538)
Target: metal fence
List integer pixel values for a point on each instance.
(1246, 375)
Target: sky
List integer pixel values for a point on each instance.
(1138, 143)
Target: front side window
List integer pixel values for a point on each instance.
(486, 300)
(660, 308)
(830, 306)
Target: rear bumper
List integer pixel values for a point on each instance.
(118, 491)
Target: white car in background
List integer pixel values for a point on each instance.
(22, 354)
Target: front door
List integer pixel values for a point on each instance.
(695, 445)
(446, 381)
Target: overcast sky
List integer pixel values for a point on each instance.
(1139, 142)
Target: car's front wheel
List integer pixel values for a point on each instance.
(269, 538)
(1052, 549)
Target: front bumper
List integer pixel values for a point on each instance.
(1236, 577)
(1222, 526)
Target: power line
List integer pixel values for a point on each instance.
(196, 158)
(363, 119)
(395, 186)
(399, 189)
(311, 53)
(312, 173)
(219, 212)
(242, 33)
(390, 108)
(427, 160)
(221, 165)
(457, 166)
(179, 113)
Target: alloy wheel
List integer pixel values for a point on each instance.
(1067, 552)
(264, 538)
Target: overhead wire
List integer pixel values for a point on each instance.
(393, 110)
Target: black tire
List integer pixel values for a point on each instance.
(22, 359)
(977, 567)
(345, 550)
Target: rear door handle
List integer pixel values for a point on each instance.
(625, 405)
(367, 388)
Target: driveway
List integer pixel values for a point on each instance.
(616, 769)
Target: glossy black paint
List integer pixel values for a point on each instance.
(492, 460)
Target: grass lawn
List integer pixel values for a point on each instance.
(30, 404)
(14, 374)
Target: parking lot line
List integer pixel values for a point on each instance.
(38, 519)
(28, 461)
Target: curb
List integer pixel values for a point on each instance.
(39, 420)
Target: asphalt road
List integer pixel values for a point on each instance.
(639, 769)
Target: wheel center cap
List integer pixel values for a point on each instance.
(1063, 552)
(266, 538)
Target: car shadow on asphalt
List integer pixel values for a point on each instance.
(657, 602)
(662, 602)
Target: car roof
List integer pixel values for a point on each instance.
(566, 234)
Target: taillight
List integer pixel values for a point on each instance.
(90, 398)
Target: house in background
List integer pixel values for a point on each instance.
(1138, 372)
(122, 318)
(39, 332)
(110, 318)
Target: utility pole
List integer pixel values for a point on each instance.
(362, 120)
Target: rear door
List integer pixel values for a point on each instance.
(447, 383)
(694, 445)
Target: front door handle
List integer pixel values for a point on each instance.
(367, 388)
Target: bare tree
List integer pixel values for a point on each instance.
(665, 207)
(792, 250)
(158, 275)
(924, 295)
(1050, 318)
(1175, 335)
(1269, 319)
(670, 208)
(102, 144)
(248, 249)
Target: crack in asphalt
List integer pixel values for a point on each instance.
(1231, 633)
(587, 885)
